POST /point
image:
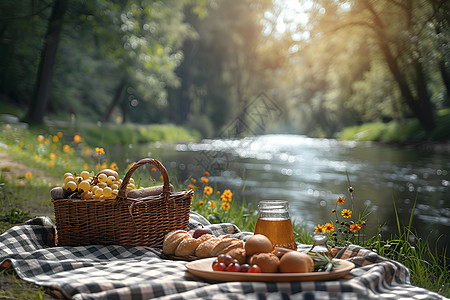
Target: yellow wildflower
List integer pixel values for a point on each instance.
(205, 180)
(55, 139)
(226, 205)
(28, 175)
(346, 213)
(40, 139)
(340, 200)
(99, 150)
(193, 180)
(192, 187)
(51, 164)
(201, 202)
(66, 148)
(208, 190)
(60, 134)
(77, 138)
(318, 228)
(212, 204)
(113, 166)
(355, 227)
(52, 156)
(328, 227)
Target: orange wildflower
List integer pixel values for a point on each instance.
(340, 200)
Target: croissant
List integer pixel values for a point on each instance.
(181, 243)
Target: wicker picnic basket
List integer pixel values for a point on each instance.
(123, 221)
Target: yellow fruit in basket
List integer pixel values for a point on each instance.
(67, 174)
(69, 178)
(84, 185)
(98, 192)
(93, 188)
(130, 186)
(131, 181)
(102, 185)
(107, 192)
(71, 186)
(85, 175)
(114, 186)
(110, 179)
(102, 177)
(115, 192)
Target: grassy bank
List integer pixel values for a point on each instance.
(408, 130)
(45, 154)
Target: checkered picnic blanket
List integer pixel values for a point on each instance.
(117, 272)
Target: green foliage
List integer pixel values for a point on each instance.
(428, 269)
(15, 216)
(129, 134)
(408, 130)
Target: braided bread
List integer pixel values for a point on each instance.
(181, 243)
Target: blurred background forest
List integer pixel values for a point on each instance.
(328, 64)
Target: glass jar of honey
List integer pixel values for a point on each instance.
(275, 223)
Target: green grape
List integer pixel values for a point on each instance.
(102, 185)
(110, 180)
(98, 192)
(107, 192)
(102, 177)
(85, 175)
(67, 174)
(84, 185)
(69, 178)
(71, 185)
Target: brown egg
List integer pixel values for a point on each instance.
(238, 254)
(258, 243)
(296, 262)
(267, 262)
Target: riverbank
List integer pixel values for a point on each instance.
(405, 133)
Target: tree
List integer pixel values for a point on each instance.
(38, 107)
(396, 31)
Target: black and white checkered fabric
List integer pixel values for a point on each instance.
(117, 272)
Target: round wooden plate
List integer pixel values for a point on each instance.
(203, 268)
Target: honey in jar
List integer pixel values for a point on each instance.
(275, 223)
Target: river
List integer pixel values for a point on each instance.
(312, 173)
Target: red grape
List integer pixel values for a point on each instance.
(254, 269)
(219, 266)
(225, 258)
(245, 268)
(234, 267)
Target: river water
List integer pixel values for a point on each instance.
(312, 173)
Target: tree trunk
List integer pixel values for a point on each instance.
(113, 104)
(39, 102)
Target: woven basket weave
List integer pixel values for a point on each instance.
(123, 221)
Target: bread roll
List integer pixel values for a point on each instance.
(172, 240)
(187, 246)
(226, 245)
(205, 249)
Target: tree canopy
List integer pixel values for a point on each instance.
(201, 62)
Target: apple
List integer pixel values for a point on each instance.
(201, 231)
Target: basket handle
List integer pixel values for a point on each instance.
(166, 186)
